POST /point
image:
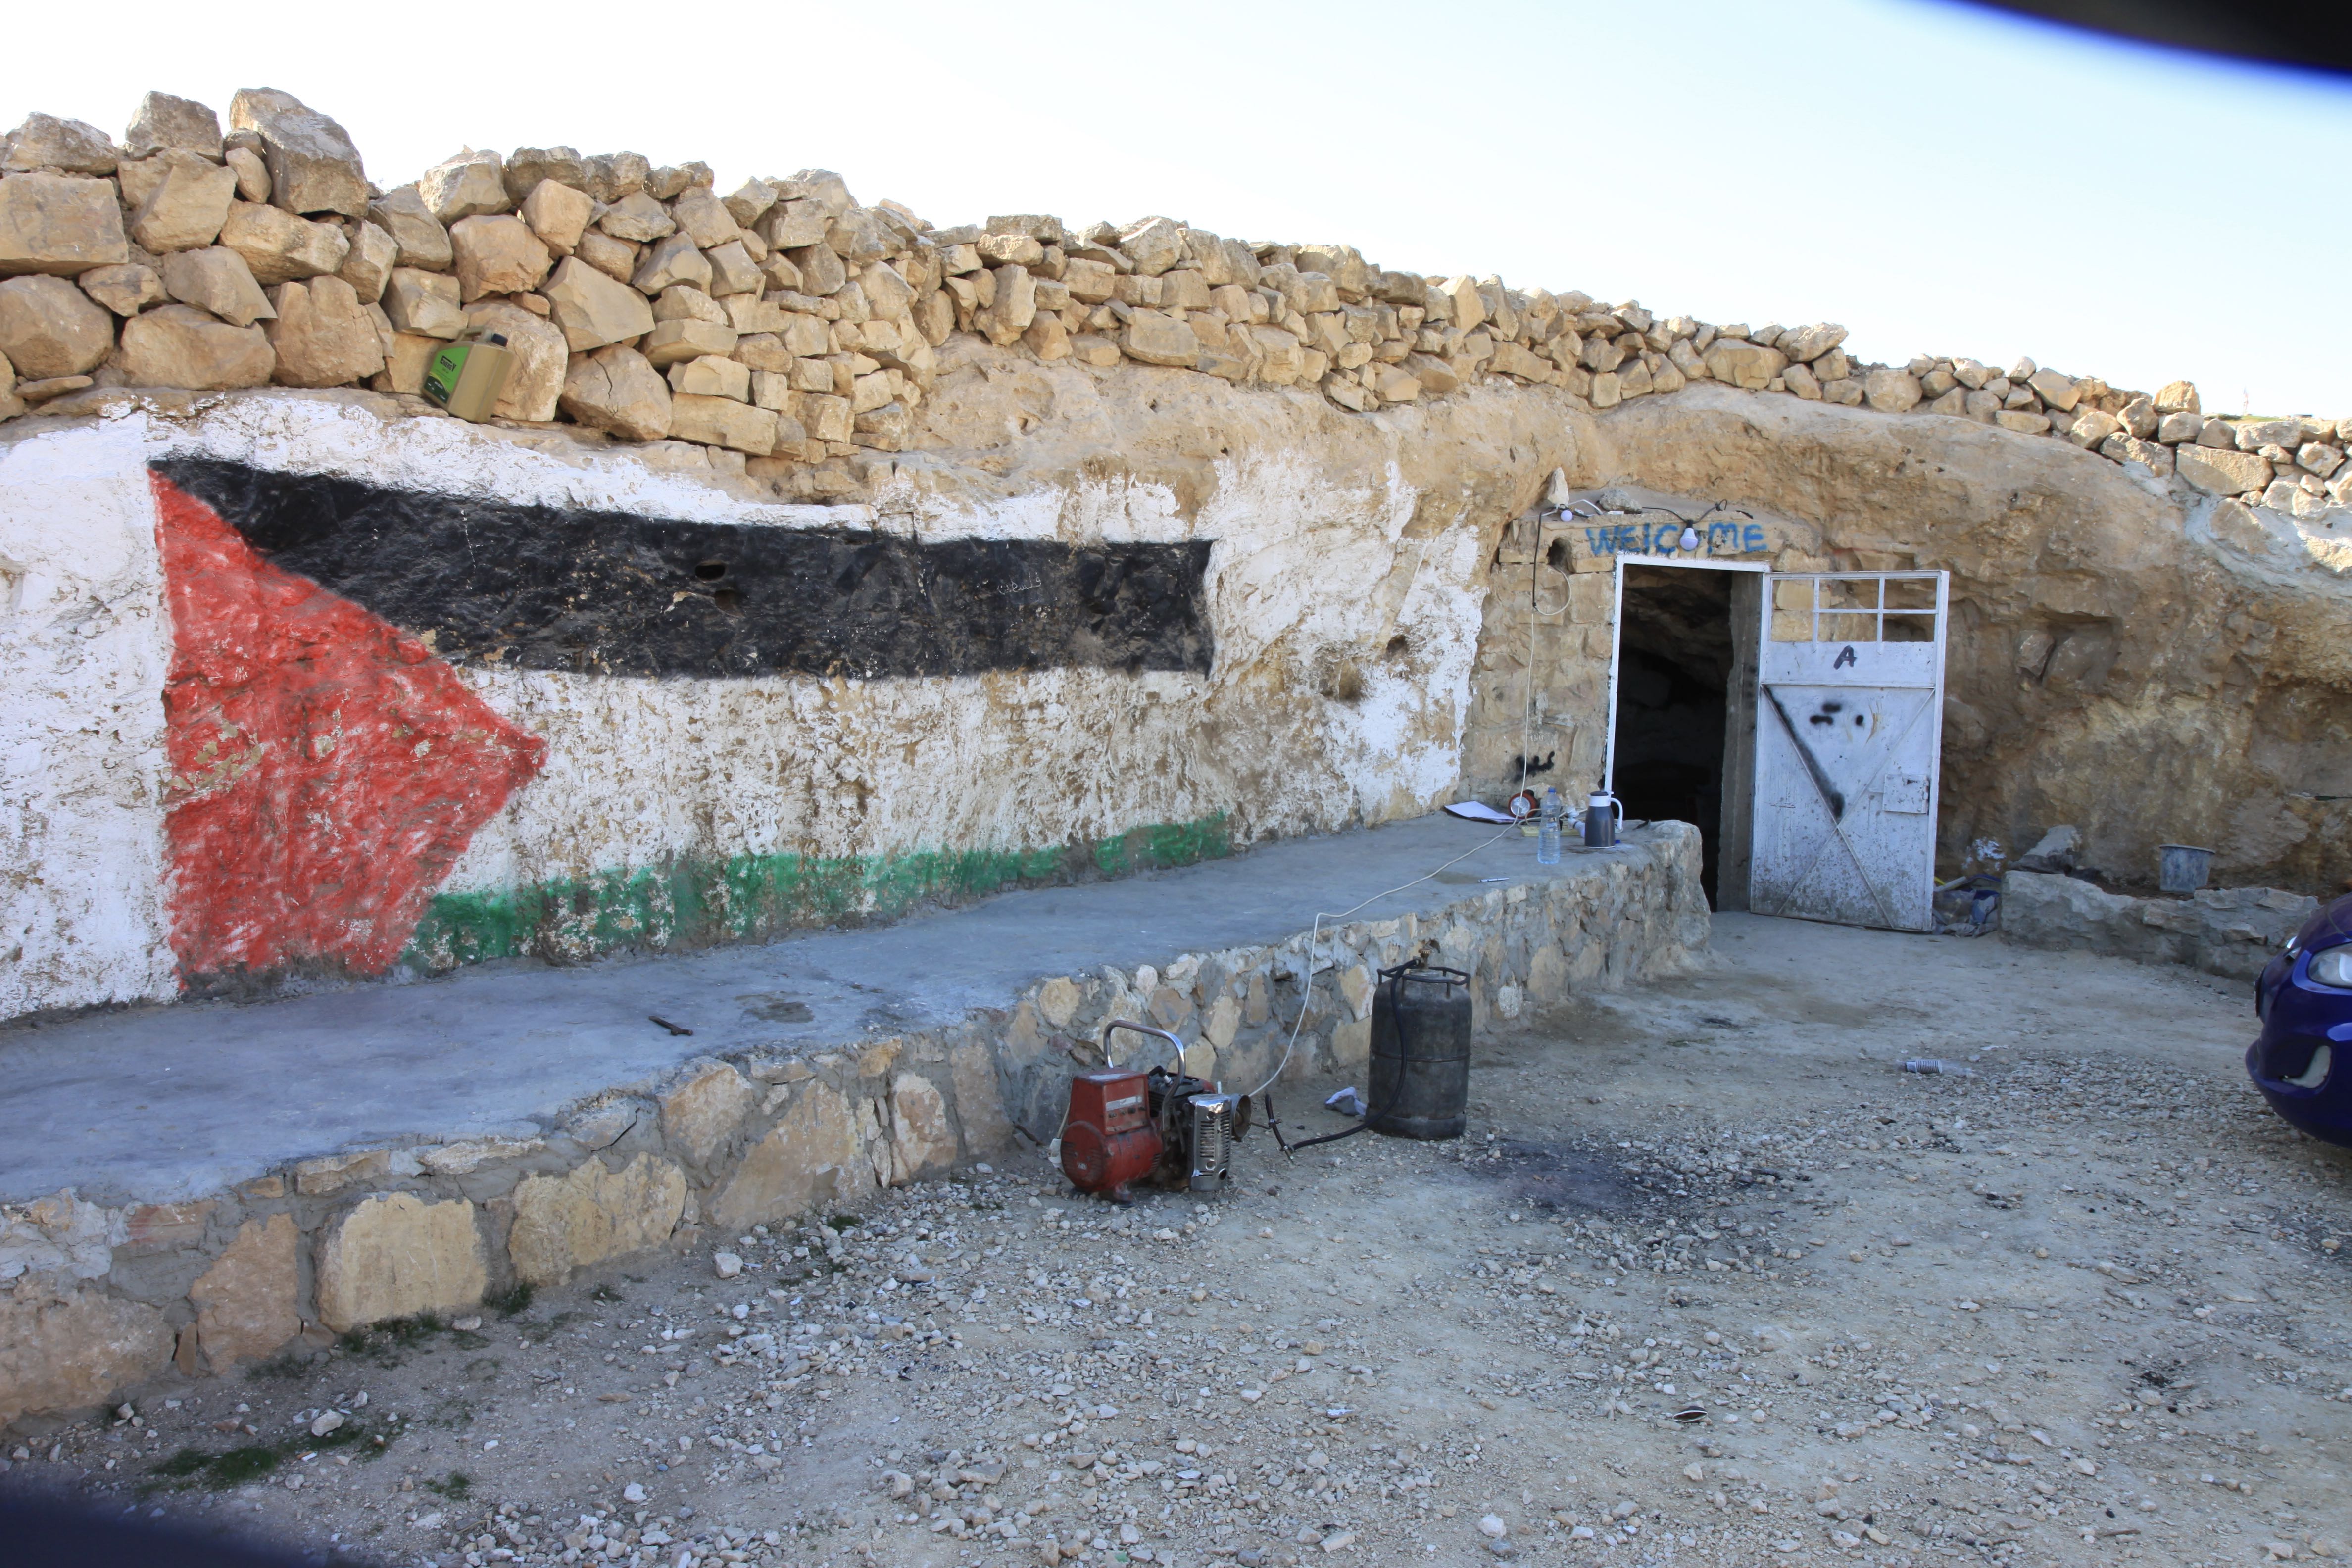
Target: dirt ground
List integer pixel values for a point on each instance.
(1712, 1279)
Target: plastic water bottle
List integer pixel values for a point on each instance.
(1548, 828)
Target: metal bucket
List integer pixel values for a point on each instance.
(2181, 868)
(1420, 1079)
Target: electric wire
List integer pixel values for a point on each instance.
(1315, 933)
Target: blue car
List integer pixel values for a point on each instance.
(2304, 1002)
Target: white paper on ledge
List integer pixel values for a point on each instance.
(1477, 811)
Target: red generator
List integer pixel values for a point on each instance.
(1107, 1140)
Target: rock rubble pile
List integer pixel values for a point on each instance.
(793, 328)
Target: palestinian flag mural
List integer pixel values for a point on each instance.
(329, 764)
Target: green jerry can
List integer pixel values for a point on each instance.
(466, 376)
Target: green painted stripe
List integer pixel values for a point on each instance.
(754, 898)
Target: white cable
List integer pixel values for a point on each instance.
(1314, 932)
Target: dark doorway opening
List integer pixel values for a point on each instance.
(1674, 665)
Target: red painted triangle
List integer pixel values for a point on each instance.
(325, 769)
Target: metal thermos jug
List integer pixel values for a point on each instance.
(1602, 815)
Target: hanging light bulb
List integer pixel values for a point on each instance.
(1689, 541)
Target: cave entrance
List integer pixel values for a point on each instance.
(1682, 707)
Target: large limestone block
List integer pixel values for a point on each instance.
(126, 289)
(313, 165)
(49, 327)
(2056, 391)
(280, 247)
(671, 261)
(1806, 344)
(704, 218)
(368, 267)
(540, 359)
(638, 218)
(723, 422)
(558, 214)
(424, 302)
(980, 1099)
(568, 1222)
(177, 346)
(323, 336)
(531, 167)
(2210, 469)
(616, 389)
(702, 1114)
(423, 241)
(397, 1254)
(497, 254)
(593, 310)
(686, 338)
(1892, 391)
(187, 204)
(59, 224)
(1156, 338)
(711, 376)
(732, 270)
(813, 1153)
(46, 141)
(1737, 362)
(249, 1301)
(217, 278)
(65, 1345)
(925, 1139)
(165, 122)
(464, 185)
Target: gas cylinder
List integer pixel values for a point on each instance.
(1420, 1079)
(1109, 1140)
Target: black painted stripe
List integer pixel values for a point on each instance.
(614, 593)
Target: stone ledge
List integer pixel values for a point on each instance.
(97, 1300)
(2230, 932)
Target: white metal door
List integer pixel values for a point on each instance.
(1849, 732)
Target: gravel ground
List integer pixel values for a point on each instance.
(1711, 1280)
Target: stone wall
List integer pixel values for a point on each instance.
(791, 328)
(97, 1300)
(2233, 931)
(2144, 624)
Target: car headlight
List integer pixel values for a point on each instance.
(2333, 967)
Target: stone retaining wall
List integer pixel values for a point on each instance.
(2221, 931)
(96, 1301)
(792, 330)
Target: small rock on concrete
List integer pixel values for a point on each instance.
(726, 1265)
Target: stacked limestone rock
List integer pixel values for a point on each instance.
(791, 328)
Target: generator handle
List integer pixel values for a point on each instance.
(1140, 1030)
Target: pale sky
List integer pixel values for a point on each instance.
(1937, 178)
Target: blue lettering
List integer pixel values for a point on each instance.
(1755, 537)
(1722, 536)
(1596, 539)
